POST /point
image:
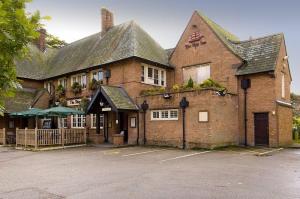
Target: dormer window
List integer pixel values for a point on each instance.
(63, 82)
(81, 79)
(153, 75)
(98, 75)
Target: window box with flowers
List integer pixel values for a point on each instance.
(76, 88)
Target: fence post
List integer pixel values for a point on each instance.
(25, 137)
(4, 137)
(62, 134)
(85, 133)
(17, 135)
(35, 138)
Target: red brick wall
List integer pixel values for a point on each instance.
(222, 128)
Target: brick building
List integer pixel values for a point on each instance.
(110, 71)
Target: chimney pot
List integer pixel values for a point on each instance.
(107, 20)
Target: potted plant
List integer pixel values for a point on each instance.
(76, 88)
(60, 90)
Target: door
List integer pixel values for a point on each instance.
(124, 125)
(261, 128)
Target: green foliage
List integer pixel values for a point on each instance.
(190, 83)
(94, 84)
(84, 103)
(63, 101)
(153, 91)
(209, 83)
(17, 30)
(296, 123)
(60, 90)
(54, 42)
(176, 88)
(76, 88)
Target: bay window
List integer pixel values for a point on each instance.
(153, 75)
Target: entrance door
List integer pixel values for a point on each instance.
(124, 125)
(261, 128)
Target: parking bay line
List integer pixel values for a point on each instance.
(141, 153)
(185, 156)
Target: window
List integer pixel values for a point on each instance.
(162, 78)
(203, 116)
(100, 75)
(153, 75)
(171, 114)
(78, 121)
(63, 82)
(282, 85)
(198, 73)
(156, 77)
(62, 122)
(93, 121)
(143, 74)
(81, 79)
(11, 124)
(47, 86)
(150, 72)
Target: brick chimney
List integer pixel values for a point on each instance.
(41, 42)
(107, 20)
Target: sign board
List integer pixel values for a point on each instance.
(106, 109)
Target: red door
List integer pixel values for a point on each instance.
(261, 128)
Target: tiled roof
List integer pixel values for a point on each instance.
(120, 42)
(119, 98)
(20, 102)
(260, 55)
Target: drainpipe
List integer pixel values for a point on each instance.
(183, 105)
(144, 107)
(245, 85)
(138, 128)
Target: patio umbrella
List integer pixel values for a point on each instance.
(31, 112)
(59, 111)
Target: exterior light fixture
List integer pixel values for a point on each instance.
(167, 96)
(101, 103)
(145, 107)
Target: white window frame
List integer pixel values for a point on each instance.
(75, 119)
(156, 80)
(81, 79)
(63, 122)
(164, 114)
(196, 73)
(63, 82)
(96, 74)
(47, 86)
(93, 121)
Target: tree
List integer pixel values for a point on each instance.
(17, 29)
(54, 42)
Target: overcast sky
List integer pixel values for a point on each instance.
(165, 20)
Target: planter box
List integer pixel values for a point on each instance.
(118, 139)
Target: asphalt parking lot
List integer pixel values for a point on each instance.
(147, 172)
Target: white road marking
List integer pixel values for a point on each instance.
(185, 156)
(267, 152)
(145, 152)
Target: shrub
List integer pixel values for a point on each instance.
(76, 88)
(209, 83)
(84, 103)
(153, 91)
(190, 83)
(176, 88)
(63, 101)
(60, 90)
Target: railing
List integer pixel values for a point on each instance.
(2, 136)
(49, 137)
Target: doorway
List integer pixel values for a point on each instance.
(261, 128)
(124, 125)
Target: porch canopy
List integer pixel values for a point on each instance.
(110, 98)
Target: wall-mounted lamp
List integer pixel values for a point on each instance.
(285, 57)
(167, 96)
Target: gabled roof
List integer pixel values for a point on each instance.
(259, 55)
(117, 98)
(120, 42)
(21, 101)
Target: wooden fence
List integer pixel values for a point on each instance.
(2, 136)
(35, 138)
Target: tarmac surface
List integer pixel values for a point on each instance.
(149, 172)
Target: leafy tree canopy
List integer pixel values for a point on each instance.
(17, 29)
(54, 42)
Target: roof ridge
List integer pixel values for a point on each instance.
(257, 38)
